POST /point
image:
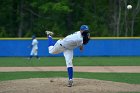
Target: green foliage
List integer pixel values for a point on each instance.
(46, 7)
(63, 17)
(56, 29)
(61, 8)
(2, 32)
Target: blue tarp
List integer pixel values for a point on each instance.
(96, 47)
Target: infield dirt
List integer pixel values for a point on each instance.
(58, 85)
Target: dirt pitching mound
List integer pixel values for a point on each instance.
(58, 85)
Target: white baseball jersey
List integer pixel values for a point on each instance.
(35, 44)
(72, 41)
(34, 47)
(66, 46)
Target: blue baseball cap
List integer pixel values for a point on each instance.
(33, 36)
(84, 28)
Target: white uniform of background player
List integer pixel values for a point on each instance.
(66, 46)
(34, 45)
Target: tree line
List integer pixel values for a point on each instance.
(23, 18)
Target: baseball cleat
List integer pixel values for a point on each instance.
(70, 83)
(49, 33)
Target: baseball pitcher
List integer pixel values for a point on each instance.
(66, 45)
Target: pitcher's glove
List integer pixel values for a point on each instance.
(86, 37)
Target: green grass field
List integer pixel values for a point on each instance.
(132, 78)
(77, 61)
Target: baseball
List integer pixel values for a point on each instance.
(129, 6)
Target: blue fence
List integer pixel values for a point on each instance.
(96, 47)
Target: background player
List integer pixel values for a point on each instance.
(34, 46)
(66, 45)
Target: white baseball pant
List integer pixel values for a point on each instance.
(59, 48)
(34, 52)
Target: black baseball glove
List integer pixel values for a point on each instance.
(86, 37)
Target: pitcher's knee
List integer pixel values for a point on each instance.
(50, 52)
(69, 64)
(53, 52)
